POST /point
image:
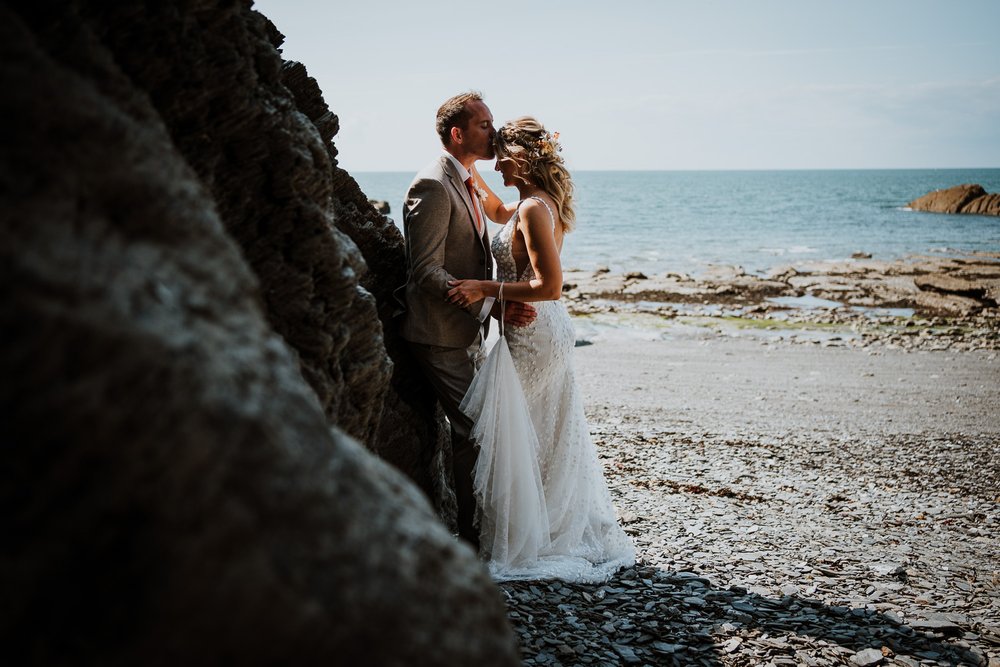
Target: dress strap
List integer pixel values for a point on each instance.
(548, 208)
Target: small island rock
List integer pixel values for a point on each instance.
(969, 198)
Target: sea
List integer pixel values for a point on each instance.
(687, 221)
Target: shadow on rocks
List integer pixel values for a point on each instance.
(649, 616)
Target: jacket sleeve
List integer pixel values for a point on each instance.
(428, 211)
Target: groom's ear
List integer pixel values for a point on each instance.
(456, 135)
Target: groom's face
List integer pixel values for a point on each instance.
(477, 139)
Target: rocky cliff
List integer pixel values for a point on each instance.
(195, 311)
(970, 198)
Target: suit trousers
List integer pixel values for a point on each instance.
(450, 371)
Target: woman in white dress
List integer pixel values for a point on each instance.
(544, 508)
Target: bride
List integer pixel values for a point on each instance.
(544, 508)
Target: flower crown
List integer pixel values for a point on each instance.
(549, 143)
(544, 146)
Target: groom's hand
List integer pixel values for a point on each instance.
(517, 314)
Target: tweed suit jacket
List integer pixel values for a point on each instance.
(442, 244)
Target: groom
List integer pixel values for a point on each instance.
(446, 239)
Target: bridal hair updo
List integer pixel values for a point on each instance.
(536, 151)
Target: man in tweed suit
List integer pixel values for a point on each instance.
(446, 239)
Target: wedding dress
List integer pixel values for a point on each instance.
(544, 508)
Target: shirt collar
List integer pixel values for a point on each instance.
(463, 173)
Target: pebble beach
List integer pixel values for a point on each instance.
(806, 483)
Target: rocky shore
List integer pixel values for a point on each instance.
(791, 506)
(218, 450)
(805, 459)
(920, 302)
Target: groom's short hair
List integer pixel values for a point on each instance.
(455, 113)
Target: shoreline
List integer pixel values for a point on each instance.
(919, 302)
(789, 505)
(806, 484)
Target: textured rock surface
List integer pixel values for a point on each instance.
(172, 491)
(932, 285)
(259, 134)
(968, 198)
(215, 78)
(775, 534)
(950, 285)
(988, 204)
(410, 434)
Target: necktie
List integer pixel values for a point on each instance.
(475, 204)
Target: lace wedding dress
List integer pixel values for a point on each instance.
(544, 510)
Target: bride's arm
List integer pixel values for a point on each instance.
(493, 206)
(543, 253)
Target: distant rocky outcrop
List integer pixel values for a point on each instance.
(969, 198)
(949, 286)
(194, 300)
(946, 284)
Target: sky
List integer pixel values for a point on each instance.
(664, 84)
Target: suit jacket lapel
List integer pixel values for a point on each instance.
(463, 192)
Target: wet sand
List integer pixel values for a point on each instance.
(736, 383)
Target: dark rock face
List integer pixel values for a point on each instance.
(172, 489)
(216, 80)
(970, 198)
(259, 134)
(408, 414)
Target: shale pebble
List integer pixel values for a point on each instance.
(787, 549)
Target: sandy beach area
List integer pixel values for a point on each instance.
(820, 490)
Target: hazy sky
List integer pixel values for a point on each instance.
(663, 84)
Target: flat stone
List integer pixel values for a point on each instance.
(941, 626)
(664, 647)
(732, 644)
(888, 568)
(627, 654)
(869, 656)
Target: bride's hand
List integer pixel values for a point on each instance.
(465, 292)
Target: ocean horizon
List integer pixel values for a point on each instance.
(687, 221)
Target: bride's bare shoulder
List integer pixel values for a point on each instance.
(537, 210)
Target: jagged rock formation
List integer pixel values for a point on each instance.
(409, 434)
(959, 199)
(259, 134)
(173, 491)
